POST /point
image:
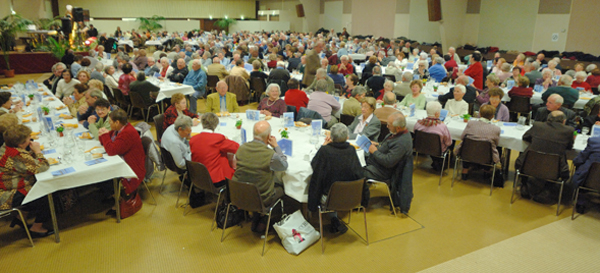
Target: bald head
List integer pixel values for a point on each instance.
(554, 102)
(557, 116)
(222, 88)
(464, 80)
(180, 63)
(262, 131)
(389, 98)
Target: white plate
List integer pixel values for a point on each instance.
(98, 151)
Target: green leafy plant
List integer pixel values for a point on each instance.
(46, 110)
(47, 24)
(224, 23)
(57, 48)
(9, 26)
(150, 24)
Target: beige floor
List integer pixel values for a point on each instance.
(445, 223)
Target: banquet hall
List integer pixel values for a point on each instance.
(454, 223)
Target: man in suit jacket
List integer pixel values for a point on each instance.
(554, 103)
(470, 95)
(552, 137)
(214, 101)
(179, 73)
(124, 140)
(565, 90)
(211, 149)
(217, 69)
(146, 89)
(313, 62)
(389, 99)
(280, 76)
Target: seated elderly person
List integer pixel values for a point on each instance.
(388, 86)
(6, 104)
(496, 95)
(212, 149)
(323, 103)
(547, 79)
(515, 74)
(366, 124)
(433, 125)
(594, 78)
(178, 108)
(152, 67)
(437, 70)
(351, 83)
(416, 98)
(66, 85)
(421, 70)
(7, 121)
(522, 88)
(579, 82)
(552, 137)
(294, 96)
(124, 140)
(180, 72)
(126, 79)
(97, 73)
(565, 90)
(583, 162)
(272, 105)
(337, 77)
(345, 67)
(352, 106)
(375, 83)
(264, 167)
(21, 160)
(402, 88)
(504, 72)
(239, 70)
(554, 103)
(483, 130)
(222, 101)
(101, 119)
(166, 69)
(322, 75)
(491, 81)
(385, 157)
(457, 106)
(335, 161)
(146, 89)
(389, 100)
(197, 79)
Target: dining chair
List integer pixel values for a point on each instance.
(591, 184)
(138, 102)
(158, 123)
(344, 196)
(541, 166)
(520, 105)
(170, 165)
(9, 212)
(246, 196)
(430, 144)
(478, 152)
(200, 178)
(122, 100)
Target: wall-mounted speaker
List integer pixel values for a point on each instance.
(434, 8)
(300, 10)
(78, 14)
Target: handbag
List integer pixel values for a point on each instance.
(235, 216)
(131, 206)
(296, 233)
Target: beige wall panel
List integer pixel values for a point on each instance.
(401, 23)
(420, 28)
(545, 26)
(373, 17)
(584, 27)
(504, 26)
(471, 29)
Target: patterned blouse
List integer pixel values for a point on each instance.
(171, 115)
(276, 108)
(17, 172)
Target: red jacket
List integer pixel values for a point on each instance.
(295, 97)
(128, 145)
(475, 71)
(585, 85)
(521, 92)
(171, 116)
(211, 150)
(593, 80)
(349, 69)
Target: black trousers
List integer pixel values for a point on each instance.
(40, 207)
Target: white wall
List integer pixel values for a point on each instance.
(545, 26)
(420, 28)
(333, 15)
(253, 26)
(508, 24)
(401, 25)
(287, 12)
(471, 29)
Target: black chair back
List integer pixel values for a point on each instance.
(541, 165)
(345, 195)
(384, 131)
(593, 179)
(137, 101)
(390, 77)
(200, 176)
(122, 100)
(471, 108)
(158, 123)
(346, 119)
(595, 110)
(211, 82)
(595, 90)
(520, 104)
(476, 151)
(427, 143)
(258, 85)
(245, 196)
(109, 95)
(169, 162)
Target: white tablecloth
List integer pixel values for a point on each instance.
(83, 175)
(358, 57)
(153, 43)
(168, 89)
(126, 42)
(299, 171)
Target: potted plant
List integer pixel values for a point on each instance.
(150, 24)
(238, 124)
(284, 133)
(60, 130)
(9, 26)
(466, 117)
(30, 96)
(224, 23)
(46, 110)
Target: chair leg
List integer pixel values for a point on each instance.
(321, 230)
(515, 184)
(560, 193)
(391, 201)
(180, 189)
(225, 222)
(25, 226)
(189, 196)
(442, 171)
(215, 216)
(454, 171)
(266, 231)
(366, 231)
(148, 189)
(492, 183)
(163, 181)
(575, 203)
(416, 160)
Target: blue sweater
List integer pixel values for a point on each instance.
(197, 79)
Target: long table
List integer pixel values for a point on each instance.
(297, 176)
(84, 175)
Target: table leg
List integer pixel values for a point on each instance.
(53, 215)
(117, 187)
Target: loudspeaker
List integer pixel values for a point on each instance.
(434, 8)
(300, 10)
(66, 26)
(78, 14)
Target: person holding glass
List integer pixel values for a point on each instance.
(272, 105)
(366, 124)
(416, 97)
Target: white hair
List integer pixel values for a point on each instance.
(276, 86)
(580, 74)
(461, 88)
(547, 71)
(433, 108)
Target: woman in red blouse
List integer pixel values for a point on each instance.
(126, 78)
(522, 88)
(178, 106)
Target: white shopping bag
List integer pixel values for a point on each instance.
(296, 233)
